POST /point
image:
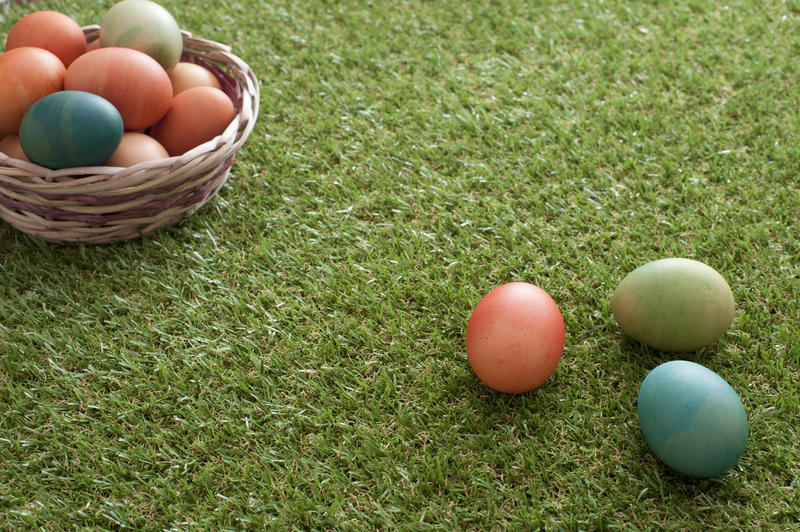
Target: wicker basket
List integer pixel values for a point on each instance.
(102, 204)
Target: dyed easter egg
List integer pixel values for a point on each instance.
(26, 74)
(145, 26)
(196, 115)
(135, 148)
(674, 305)
(70, 128)
(187, 75)
(134, 82)
(515, 337)
(692, 419)
(10, 146)
(51, 30)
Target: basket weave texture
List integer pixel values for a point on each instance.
(102, 204)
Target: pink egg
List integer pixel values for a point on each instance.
(515, 337)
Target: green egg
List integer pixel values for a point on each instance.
(144, 26)
(674, 305)
(70, 128)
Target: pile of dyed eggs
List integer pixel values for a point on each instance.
(689, 416)
(123, 99)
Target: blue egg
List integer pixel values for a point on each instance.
(692, 419)
(70, 128)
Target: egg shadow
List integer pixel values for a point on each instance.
(121, 266)
(642, 357)
(490, 409)
(719, 489)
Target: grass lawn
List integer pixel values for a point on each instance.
(293, 355)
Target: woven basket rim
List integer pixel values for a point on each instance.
(87, 204)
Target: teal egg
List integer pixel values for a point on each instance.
(692, 419)
(70, 128)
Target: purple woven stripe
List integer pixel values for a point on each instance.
(99, 201)
(185, 198)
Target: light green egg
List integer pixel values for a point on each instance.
(674, 305)
(144, 26)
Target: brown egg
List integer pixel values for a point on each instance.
(135, 148)
(11, 147)
(197, 115)
(26, 75)
(51, 30)
(187, 75)
(131, 80)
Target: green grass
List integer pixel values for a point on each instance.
(292, 356)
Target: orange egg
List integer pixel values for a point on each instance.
(133, 81)
(26, 74)
(197, 115)
(10, 146)
(136, 148)
(186, 75)
(515, 338)
(51, 30)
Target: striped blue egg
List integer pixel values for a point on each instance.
(70, 128)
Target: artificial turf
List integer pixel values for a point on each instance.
(292, 356)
